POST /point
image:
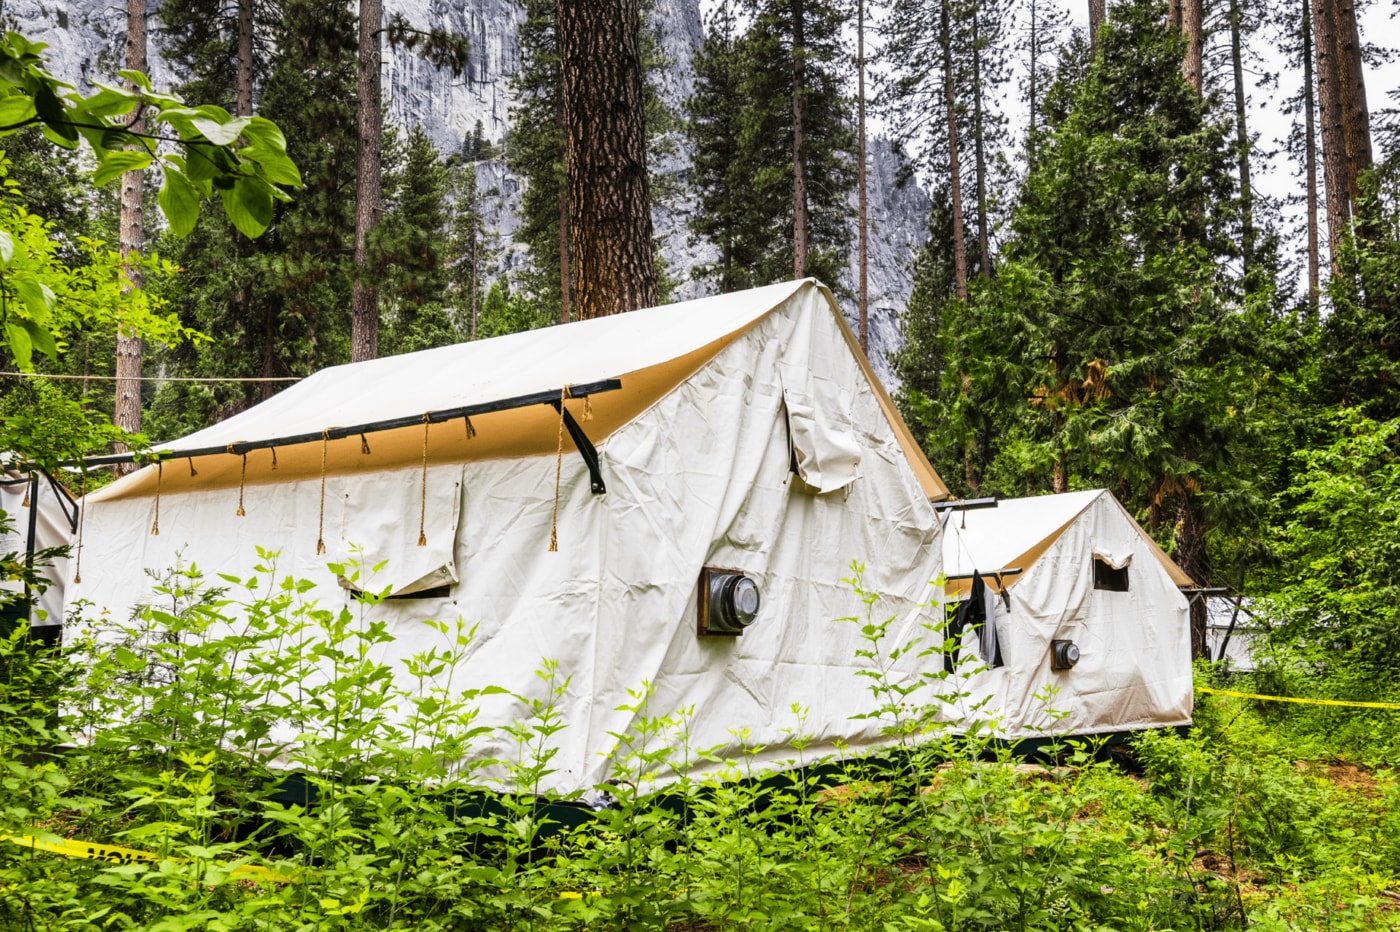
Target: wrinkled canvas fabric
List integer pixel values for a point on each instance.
(1135, 660)
(701, 477)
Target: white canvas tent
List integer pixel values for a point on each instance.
(39, 515)
(1089, 575)
(744, 432)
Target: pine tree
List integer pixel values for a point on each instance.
(1114, 312)
(410, 265)
(742, 129)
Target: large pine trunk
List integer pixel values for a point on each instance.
(1334, 148)
(799, 139)
(1351, 86)
(954, 173)
(1097, 14)
(1310, 157)
(566, 290)
(610, 232)
(364, 303)
(1193, 27)
(130, 238)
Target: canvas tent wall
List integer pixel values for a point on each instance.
(1089, 575)
(39, 515)
(700, 413)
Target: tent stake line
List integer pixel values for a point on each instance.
(412, 420)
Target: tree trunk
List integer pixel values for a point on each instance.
(1033, 86)
(799, 141)
(364, 305)
(243, 81)
(984, 245)
(1351, 86)
(565, 291)
(1334, 149)
(1193, 27)
(1310, 158)
(131, 234)
(954, 178)
(610, 232)
(1242, 142)
(1194, 560)
(862, 220)
(1097, 14)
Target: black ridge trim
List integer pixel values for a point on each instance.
(338, 433)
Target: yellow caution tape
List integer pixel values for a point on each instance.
(115, 854)
(1341, 702)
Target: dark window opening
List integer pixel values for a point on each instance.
(1108, 577)
(437, 592)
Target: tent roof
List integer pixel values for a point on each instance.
(1018, 531)
(650, 350)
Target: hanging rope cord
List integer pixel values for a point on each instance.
(558, 474)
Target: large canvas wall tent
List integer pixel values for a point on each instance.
(1080, 599)
(39, 515)
(672, 495)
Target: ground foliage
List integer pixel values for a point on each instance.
(185, 705)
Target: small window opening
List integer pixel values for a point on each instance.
(438, 592)
(1111, 578)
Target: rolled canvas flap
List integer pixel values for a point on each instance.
(824, 445)
(380, 530)
(1116, 559)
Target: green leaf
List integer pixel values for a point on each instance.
(41, 338)
(221, 134)
(115, 164)
(135, 77)
(37, 297)
(55, 117)
(275, 165)
(179, 201)
(249, 205)
(16, 109)
(21, 346)
(264, 133)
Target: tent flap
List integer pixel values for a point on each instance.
(380, 533)
(825, 449)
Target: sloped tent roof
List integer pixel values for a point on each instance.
(650, 351)
(1017, 532)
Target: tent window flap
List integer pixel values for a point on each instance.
(825, 451)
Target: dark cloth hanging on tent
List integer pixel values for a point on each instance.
(978, 609)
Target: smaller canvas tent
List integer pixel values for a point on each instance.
(38, 515)
(1089, 577)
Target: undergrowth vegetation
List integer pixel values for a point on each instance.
(174, 734)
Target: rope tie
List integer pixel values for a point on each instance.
(242, 475)
(587, 408)
(364, 445)
(78, 556)
(274, 456)
(191, 462)
(321, 521)
(423, 492)
(471, 431)
(25, 503)
(155, 525)
(558, 473)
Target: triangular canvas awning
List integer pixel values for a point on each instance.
(649, 352)
(1017, 532)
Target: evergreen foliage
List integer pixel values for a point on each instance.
(741, 128)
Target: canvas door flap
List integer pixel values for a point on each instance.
(825, 448)
(1114, 557)
(380, 530)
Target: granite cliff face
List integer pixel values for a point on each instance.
(84, 38)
